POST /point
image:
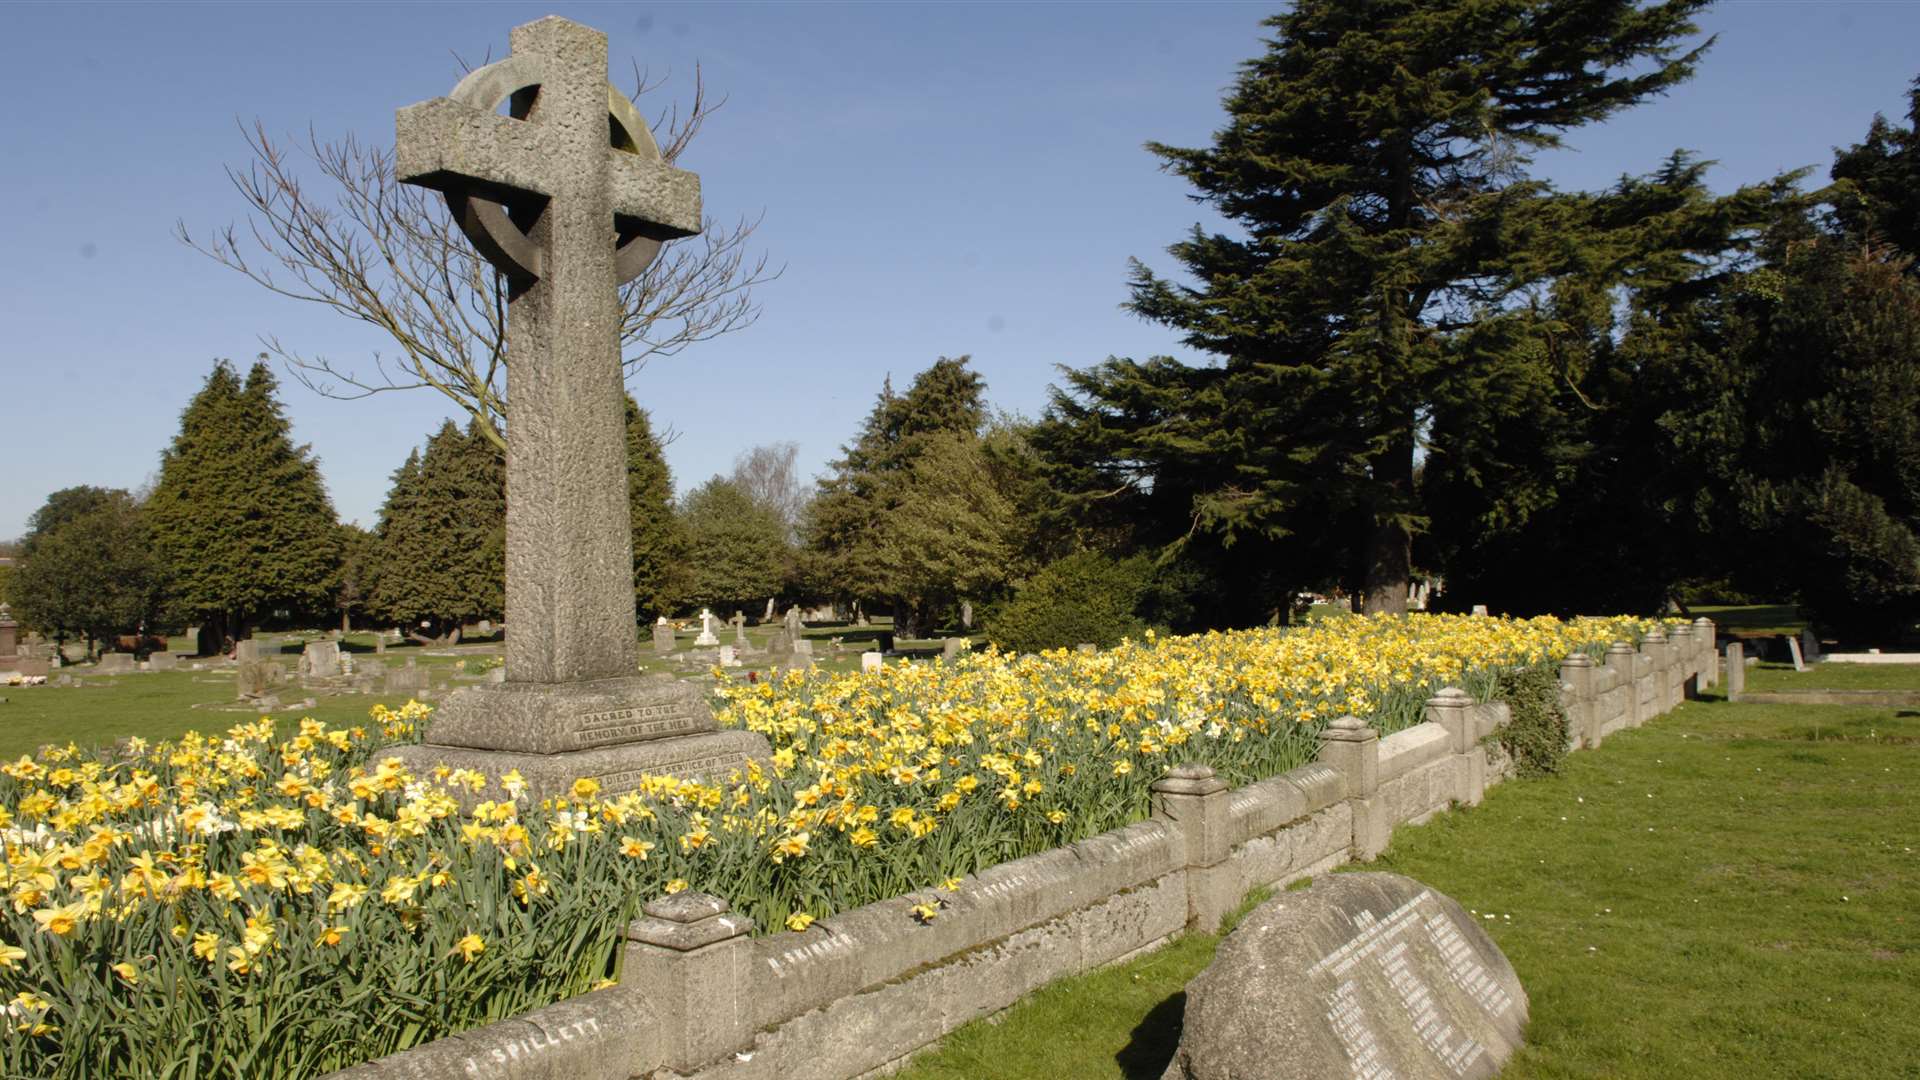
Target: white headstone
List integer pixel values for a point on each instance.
(870, 661)
(706, 638)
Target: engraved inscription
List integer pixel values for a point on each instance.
(1387, 941)
(636, 723)
(503, 1060)
(614, 783)
(1350, 1024)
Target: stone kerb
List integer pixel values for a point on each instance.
(858, 991)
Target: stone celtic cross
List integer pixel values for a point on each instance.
(568, 197)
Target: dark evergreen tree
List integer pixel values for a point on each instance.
(240, 513)
(1374, 160)
(862, 523)
(659, 545)
(440, 544)
(1876, 195)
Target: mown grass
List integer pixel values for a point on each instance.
(165, 705)
(1753, 619)
(1832, 676)
(1731, 891)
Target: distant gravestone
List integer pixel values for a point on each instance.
(950, 648)
(870, 661)
(1793, 649)
(1363, 976)
(1810, 646)
(728, 658)
(320, 660)
(663, 637)
(9, 638)
(162, 661)
(409, 680)
(1087, 647)
(794, 625)
(803, 648)
(739, 622)
(1479, 609)
(1736, 669)
(244, 651)
(780, 644)
(706, 640)
(115, 663)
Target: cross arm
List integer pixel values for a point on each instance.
(450, 147)
(662, 202)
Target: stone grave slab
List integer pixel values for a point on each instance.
(1793, 649)
(1362, 976)
(162, 661)
(662, 637)
(115, 663)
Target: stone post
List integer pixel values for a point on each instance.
(1703, 638)
(1622, 658)
(1353, 748)
(1194, 800)
(1583, 713)
(1450, 709)
(1654, 648)
(1736, 670)
(1684, 678)
(694, 960)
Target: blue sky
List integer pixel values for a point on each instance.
(936, 180)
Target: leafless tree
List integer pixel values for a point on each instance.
(390, 255)
(768, 476)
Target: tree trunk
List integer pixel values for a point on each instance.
(906, 620)
(1389, 551)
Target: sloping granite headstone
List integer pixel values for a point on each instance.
(1362, 976)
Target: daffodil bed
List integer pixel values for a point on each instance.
(269, 903)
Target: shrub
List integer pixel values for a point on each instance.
(1536, 737)
(1088, 597)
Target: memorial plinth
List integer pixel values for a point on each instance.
(568, 197)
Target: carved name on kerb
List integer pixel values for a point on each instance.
(811, 951)
(634, 723)
(500, 1060)
(1387, 941)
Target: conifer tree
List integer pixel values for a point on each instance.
(441, 549)
(742, 546)
(659, 544)
(861, 522)
(1374, 162)
(240, 513)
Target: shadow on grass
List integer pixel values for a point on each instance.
(1153, 1040)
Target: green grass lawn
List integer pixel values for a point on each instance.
(1731, 891)
(1753, 620)
(166, 704)
(1831, 676)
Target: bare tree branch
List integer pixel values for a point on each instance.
(390, 255)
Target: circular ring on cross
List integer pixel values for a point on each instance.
(490, 225)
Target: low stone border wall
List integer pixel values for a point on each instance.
(857, 992)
